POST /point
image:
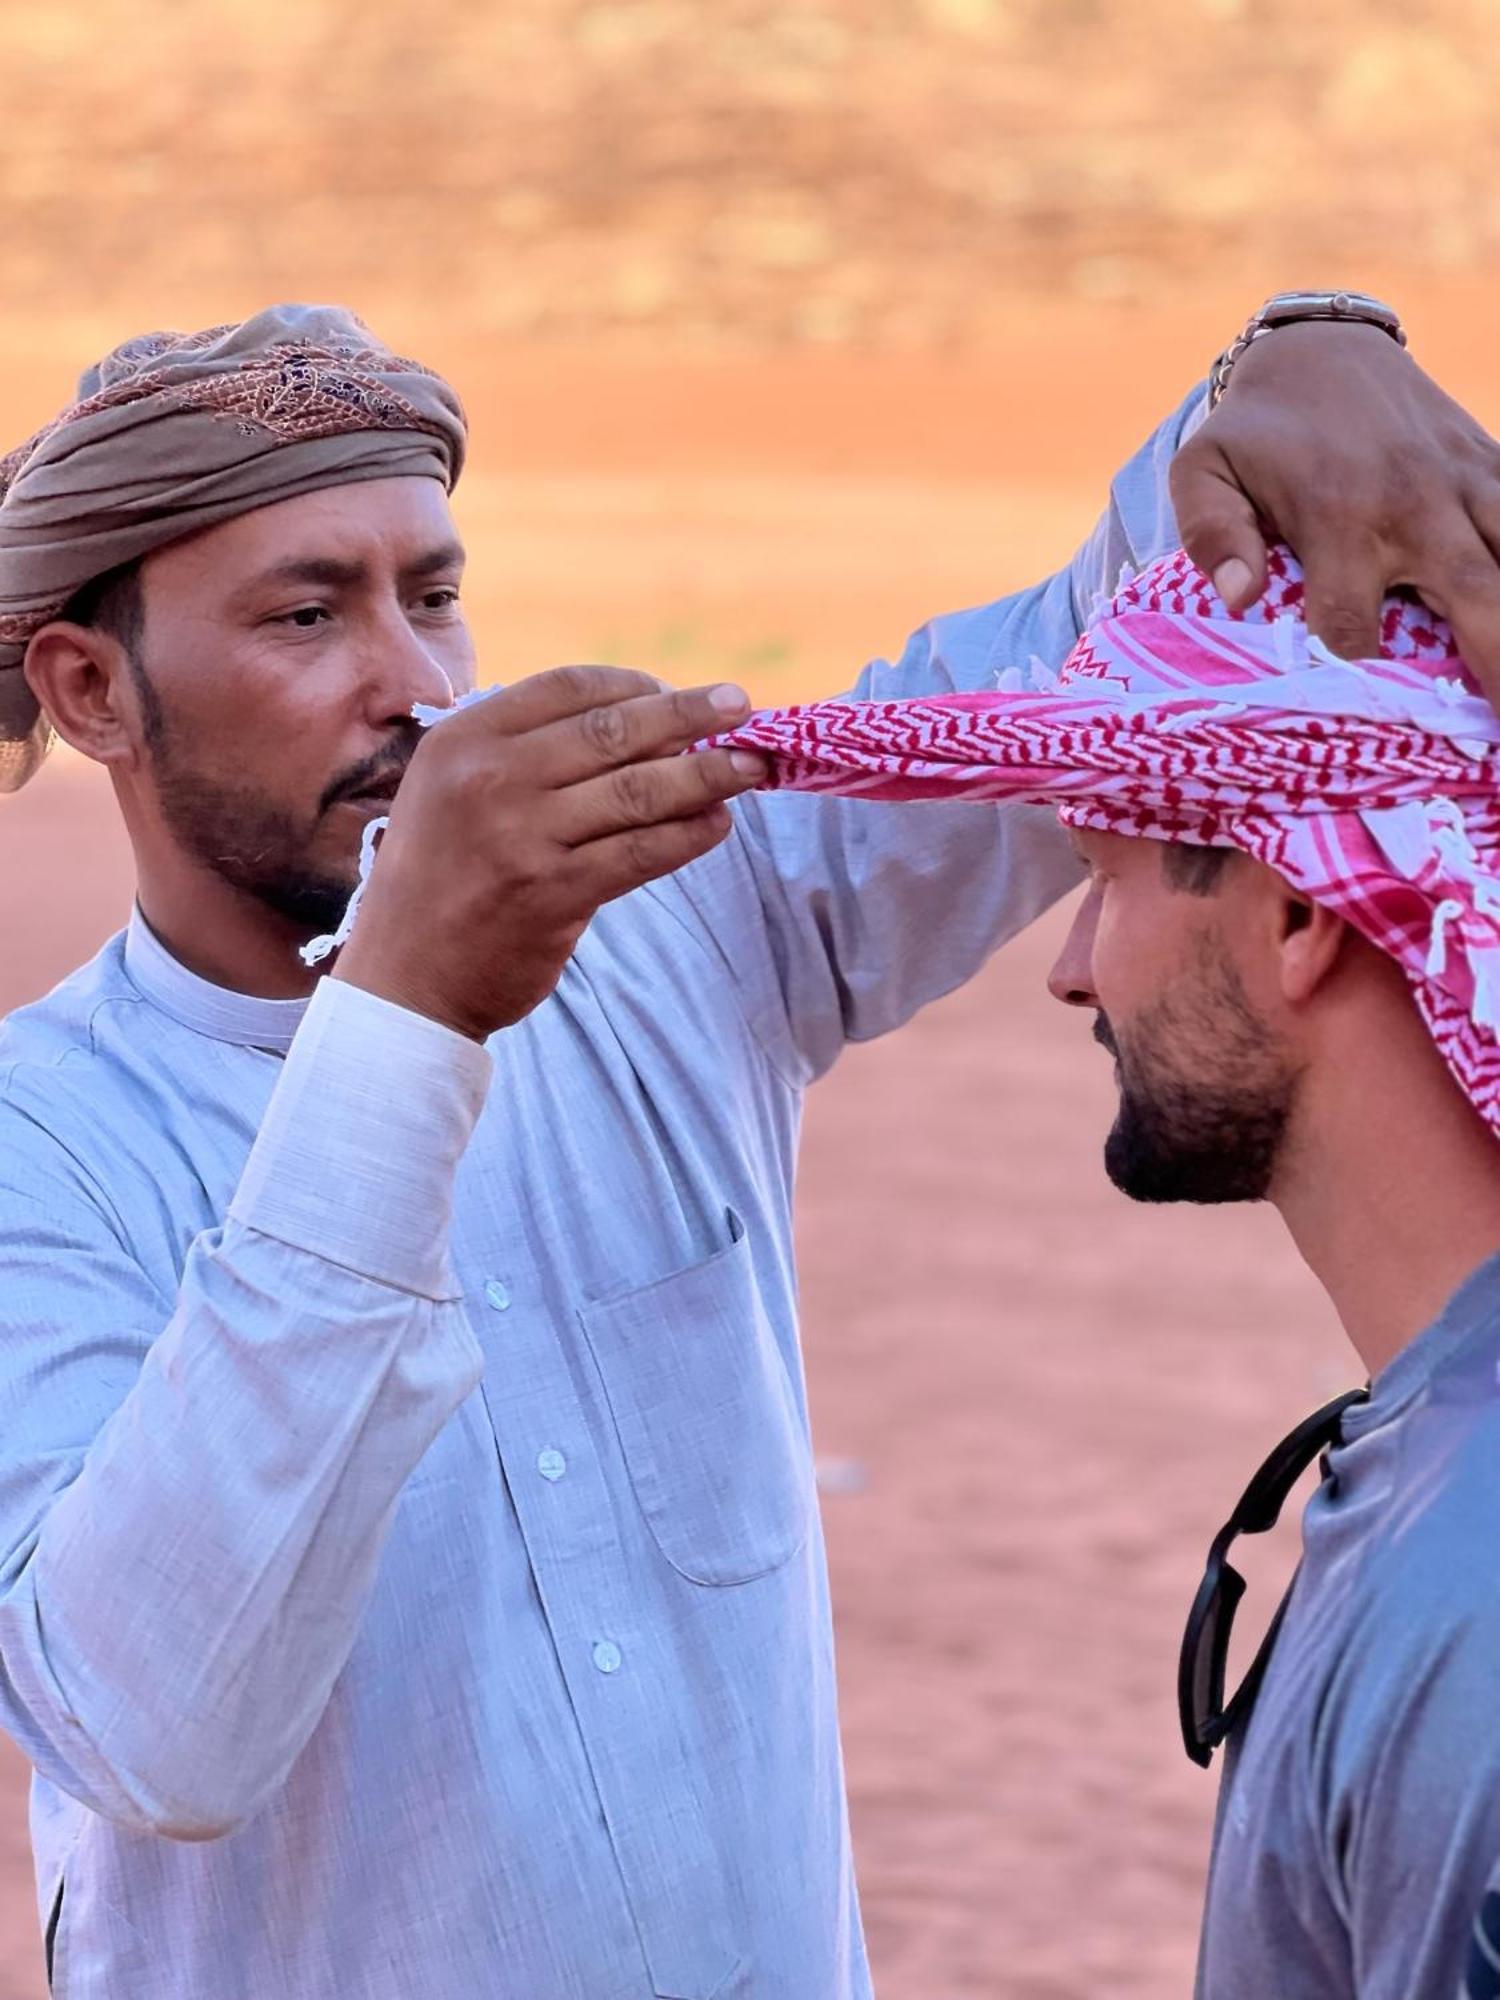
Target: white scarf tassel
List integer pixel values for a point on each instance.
(323, 947)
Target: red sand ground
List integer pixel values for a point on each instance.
(1054, 1397)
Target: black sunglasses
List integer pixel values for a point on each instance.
(1206, 1717)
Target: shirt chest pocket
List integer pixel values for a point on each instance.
(710, 1429)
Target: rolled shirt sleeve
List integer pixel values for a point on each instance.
(196, 1491)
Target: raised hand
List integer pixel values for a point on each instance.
(519, 817)
(1332, 439)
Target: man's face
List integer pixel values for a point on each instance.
(1207, 1080)
(278, 661)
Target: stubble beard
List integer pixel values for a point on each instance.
(1206, 1095)
(256, 847)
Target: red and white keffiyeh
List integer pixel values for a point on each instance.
(1372, 786)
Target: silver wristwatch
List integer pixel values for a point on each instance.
(1289, 307)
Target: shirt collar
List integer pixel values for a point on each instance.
(215, 1011)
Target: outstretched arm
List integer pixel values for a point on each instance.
(1329, 437)
(852, 915)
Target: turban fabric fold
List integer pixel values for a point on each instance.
(172, 433)
(1374, 786)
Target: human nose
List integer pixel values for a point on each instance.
(1071, 979)
(401, 671)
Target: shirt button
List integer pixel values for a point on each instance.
(551, 1464)
(496, 1297)
(607, 1656)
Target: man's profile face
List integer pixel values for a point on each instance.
(1165, 959)
(278, 659)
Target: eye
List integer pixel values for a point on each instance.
(305, 618)
(1092, 864)
(444, 598)
(1096, 882)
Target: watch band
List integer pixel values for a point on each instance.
(1286, 309)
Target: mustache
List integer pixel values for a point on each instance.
(1104, 1034)
(390, 762)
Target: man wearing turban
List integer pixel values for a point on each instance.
(410, 1574)
(1290, 944)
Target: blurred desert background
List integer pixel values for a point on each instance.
(782, 325)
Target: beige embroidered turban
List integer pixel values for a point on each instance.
(174, 432)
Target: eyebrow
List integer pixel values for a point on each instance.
(336, 574)
(447, 555)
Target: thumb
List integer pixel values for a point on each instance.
(1218, 524)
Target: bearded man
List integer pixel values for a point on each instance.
(410, 1575)
(1306, 1012)
(1290, 943)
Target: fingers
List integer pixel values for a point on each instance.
(553, 696)
(577, 722)
(1218, 524)
(633, 731)
(1340, 445)
(1346, 578)
(1451, 567)
(623, 861)
(1467, 593)
(648, 794)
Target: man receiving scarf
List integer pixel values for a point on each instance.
(410, 1576)
(1290, 944)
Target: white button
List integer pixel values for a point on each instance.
(607, 1656)
(496, 1296)
(551, 1464)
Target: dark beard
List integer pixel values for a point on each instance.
(255, 847)
(1210, 1138)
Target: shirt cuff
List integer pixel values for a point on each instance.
(356, 1155)
(1193, 415)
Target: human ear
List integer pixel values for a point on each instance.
(81, 678)
(1311, 939)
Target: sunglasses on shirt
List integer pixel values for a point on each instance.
(1205, 1715)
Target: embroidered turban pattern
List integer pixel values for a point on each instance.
(172, 433)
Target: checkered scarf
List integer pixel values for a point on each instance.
(1373, 787)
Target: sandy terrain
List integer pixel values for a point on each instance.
(739, 174)
(1035, 1401)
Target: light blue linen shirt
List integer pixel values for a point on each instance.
(411, 1583)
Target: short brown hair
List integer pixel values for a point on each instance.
(1197, 870)
(112, 603)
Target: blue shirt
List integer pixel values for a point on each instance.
(411, 1581)
(1359, 1818)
